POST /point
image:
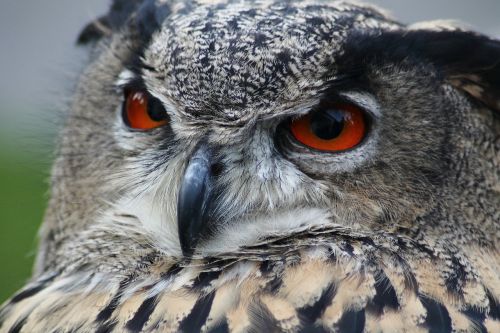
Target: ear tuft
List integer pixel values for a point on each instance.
(117, 16)
(467, 60)
(94, 31)
(146, 16)
(472, 64)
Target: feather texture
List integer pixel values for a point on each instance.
(334, 280)
(399, 233)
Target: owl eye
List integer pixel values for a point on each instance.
(331, 127)
(143, 112)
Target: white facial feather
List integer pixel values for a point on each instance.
(249, 231)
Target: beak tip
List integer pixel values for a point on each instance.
(194, 197)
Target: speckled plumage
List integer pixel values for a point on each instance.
(399, 234)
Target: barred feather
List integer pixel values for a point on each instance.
(332, 283)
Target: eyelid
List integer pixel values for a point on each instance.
(124, 78)
(364, 100)
(128, 80)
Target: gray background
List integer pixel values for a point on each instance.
(38, 59)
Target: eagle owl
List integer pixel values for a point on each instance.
(272, 166)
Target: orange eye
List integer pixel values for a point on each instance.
(331, 128)
(142, 112)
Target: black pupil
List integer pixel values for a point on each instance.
(156, 111)
(327, 124)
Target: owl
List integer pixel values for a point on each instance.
(272, 166)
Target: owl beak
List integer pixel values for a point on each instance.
(194, 199)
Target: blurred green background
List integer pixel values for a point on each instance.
(22, 202)
(38, 66)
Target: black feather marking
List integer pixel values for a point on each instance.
(352, 321)
(410, 281)
(474, 314)
(477, 317)
(456, 279)
(27, 293)
(310, 313)
(142, 315)
(347, 248)
(18, 326)
(261, 319)
(33, 290)
(494, 312)
(222, 327)
(172, 271)
(268, 268)
(274, 285)
(106, 313)
(385, 295)
(424, 248)
(205, 279)
(106, 327)
(332, 256)
(438, 319)
(198, 315)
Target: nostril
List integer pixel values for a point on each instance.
(216, 169)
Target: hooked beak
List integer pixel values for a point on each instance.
(194, 199)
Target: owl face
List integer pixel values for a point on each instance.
(205, 128)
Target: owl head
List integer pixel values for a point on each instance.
(203, 127)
